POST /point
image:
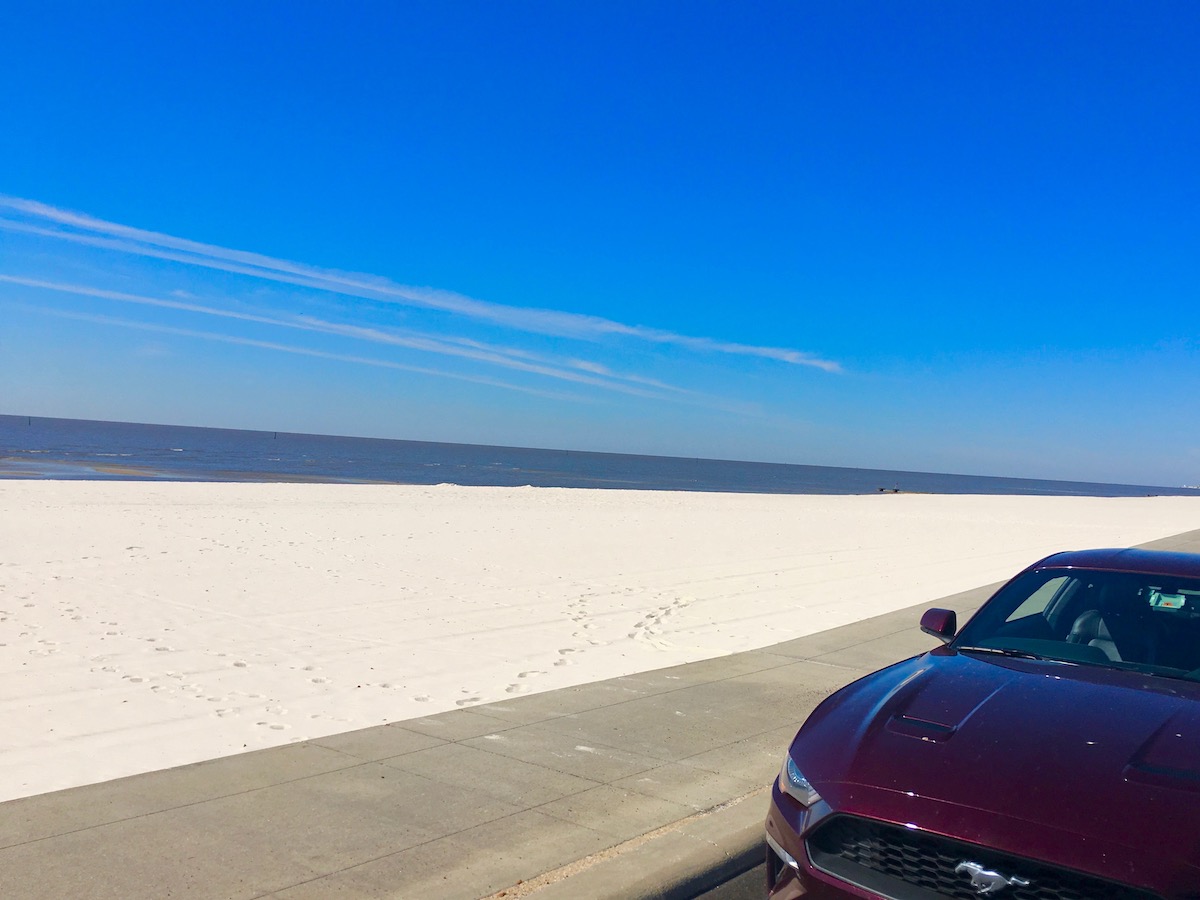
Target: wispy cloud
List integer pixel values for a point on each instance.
(593, 375)
(87, 230)
(299, 351)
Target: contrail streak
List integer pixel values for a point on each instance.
(88, 230)
(299, 351)
(478, 353)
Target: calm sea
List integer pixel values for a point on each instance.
(72, 448)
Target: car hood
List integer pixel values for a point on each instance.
(1106, 755)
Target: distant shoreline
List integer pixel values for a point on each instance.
(25, 470)
(72, 449)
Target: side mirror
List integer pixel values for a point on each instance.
(940, 623)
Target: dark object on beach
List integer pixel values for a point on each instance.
(1050, 750)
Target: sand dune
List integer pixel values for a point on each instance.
(147, 625)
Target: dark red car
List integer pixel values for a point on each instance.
(1049, 751)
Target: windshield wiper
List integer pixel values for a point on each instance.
(1005, 651)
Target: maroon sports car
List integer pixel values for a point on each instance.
(1049, 751)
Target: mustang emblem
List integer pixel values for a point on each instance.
(985, 881)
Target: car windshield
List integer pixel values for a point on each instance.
(1149, 623)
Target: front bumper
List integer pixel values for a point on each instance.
(790, 873)
(857, 851)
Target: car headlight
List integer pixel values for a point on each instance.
(793, 783)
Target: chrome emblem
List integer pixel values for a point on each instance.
(987, 882)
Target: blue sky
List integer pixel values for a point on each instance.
(935, 236)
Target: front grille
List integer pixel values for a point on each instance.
(906, 864)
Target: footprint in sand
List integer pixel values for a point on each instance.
(467, 701)
(421, 698)
(564, 653)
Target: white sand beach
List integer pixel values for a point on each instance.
(146, 625)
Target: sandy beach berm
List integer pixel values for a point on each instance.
(146, 625)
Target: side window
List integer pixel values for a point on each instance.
(1038, 601)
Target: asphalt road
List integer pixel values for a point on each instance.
(749, 886)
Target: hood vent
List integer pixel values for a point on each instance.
(921, 729)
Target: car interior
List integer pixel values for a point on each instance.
(1102, 618)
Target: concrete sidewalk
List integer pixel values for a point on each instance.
(622, 788)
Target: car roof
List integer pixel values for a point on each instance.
(1158, 562)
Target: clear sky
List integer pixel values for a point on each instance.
(942, 236)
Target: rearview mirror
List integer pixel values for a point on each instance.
(940, 623)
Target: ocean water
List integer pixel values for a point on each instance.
(32, 447)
